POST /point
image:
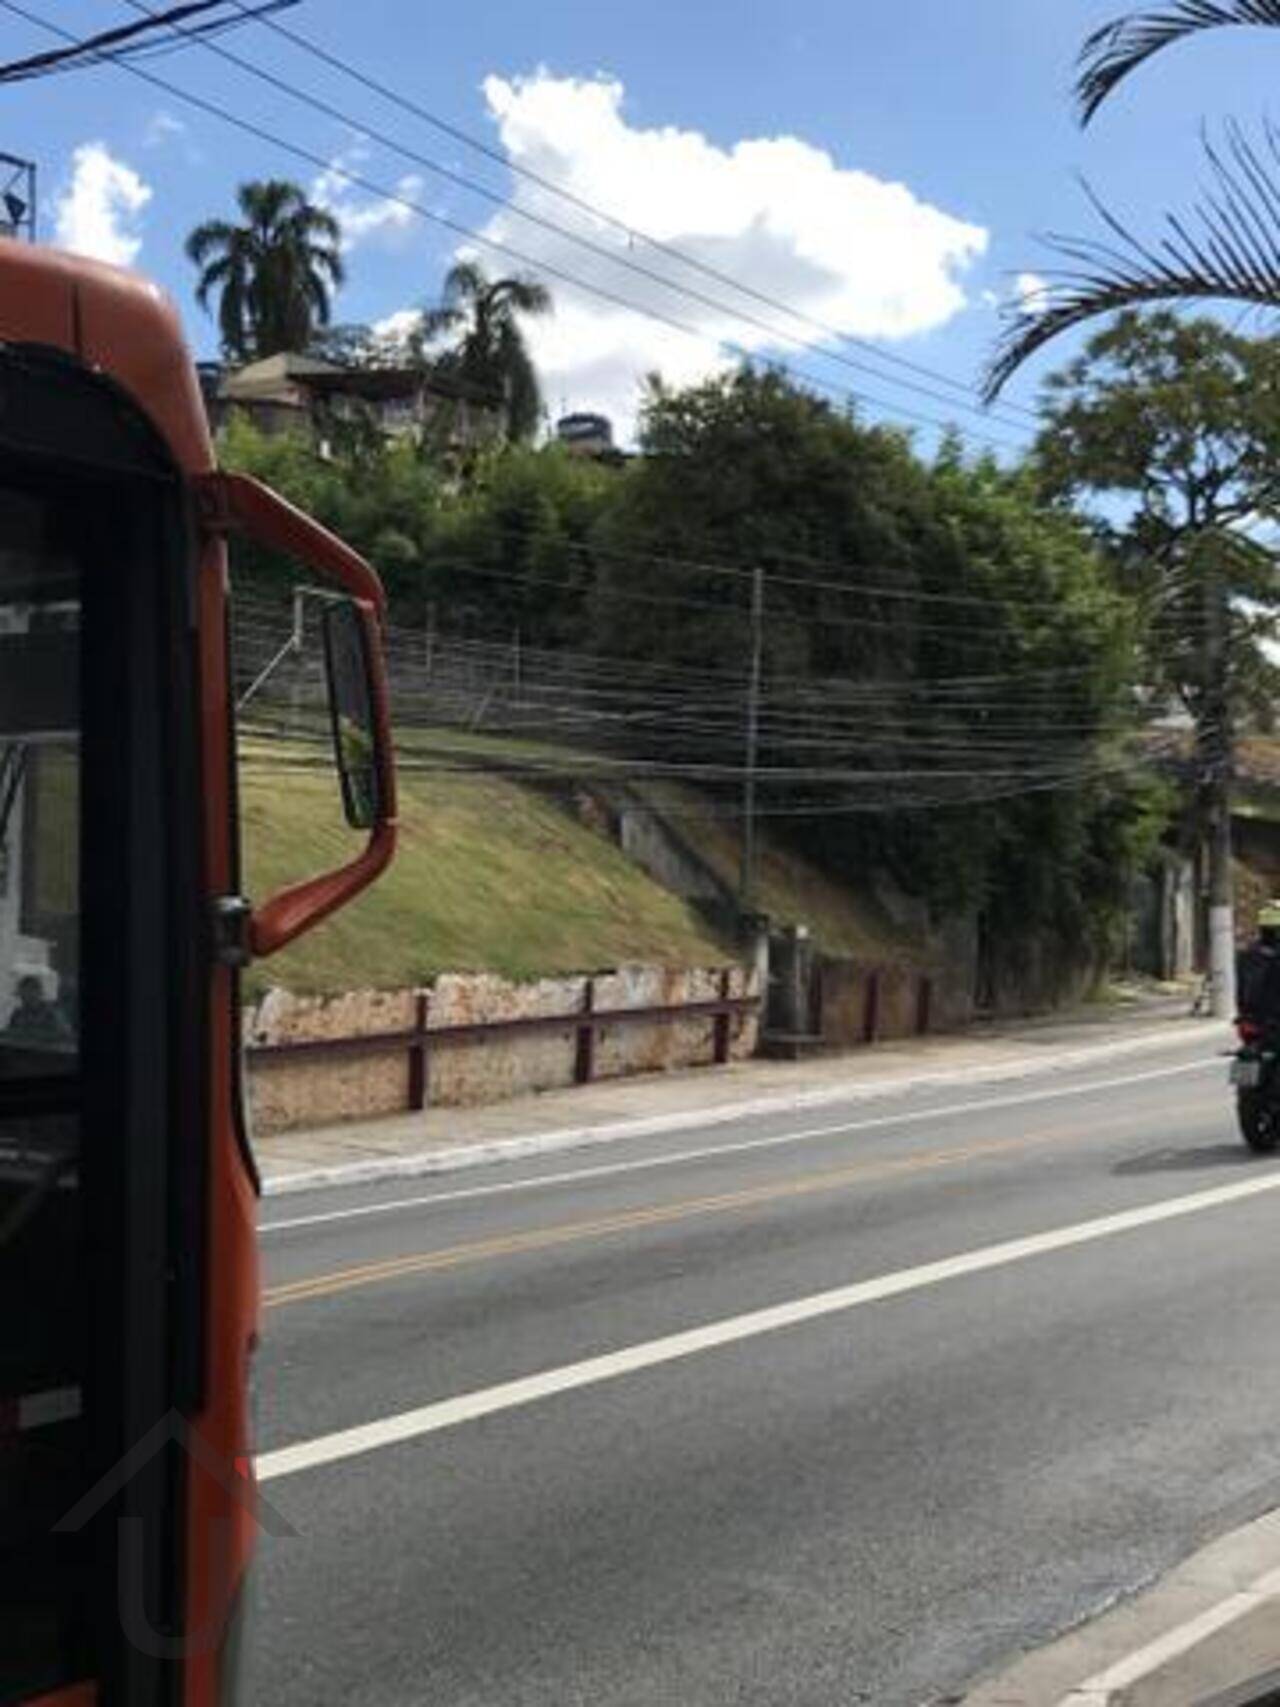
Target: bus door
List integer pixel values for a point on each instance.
(100, 1034)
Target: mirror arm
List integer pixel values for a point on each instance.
(294, 910)
(236, 503)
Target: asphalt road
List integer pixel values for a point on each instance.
(847, 1407)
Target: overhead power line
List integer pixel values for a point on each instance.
(962, 633)
(975, 691)
(130, 39)
(632, 233)
(397, 197)
(611, 257)
(622, 552)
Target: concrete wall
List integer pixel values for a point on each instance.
(315, 1090)
(659, 848)
(1162, 918)
(847, 1002)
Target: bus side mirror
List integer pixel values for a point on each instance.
(350, 641)
(358, 697)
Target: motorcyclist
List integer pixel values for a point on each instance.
(1258, 972)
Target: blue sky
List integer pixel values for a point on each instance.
(882, 168)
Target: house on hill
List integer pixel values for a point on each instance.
(298, 393)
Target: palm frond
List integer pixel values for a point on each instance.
(464, 282)
(1112, 53)
(520, 296)
(1226, 249)
(437, 321)
(214, 234)
(214, 275)
(315, 225)
(322, 261)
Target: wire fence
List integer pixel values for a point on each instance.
(463, 704)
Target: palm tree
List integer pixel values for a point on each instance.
(490, 362)
(273, 273)
(1227, 247)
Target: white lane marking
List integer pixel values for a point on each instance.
(1101, 1689)
(467, 1407)
(605, 1170)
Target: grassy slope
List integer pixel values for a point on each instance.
(489, 877)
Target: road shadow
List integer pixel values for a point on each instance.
(1171, 1161)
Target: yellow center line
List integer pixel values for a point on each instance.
(575, 1232)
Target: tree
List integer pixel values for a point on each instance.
(1177, 420)
(1226, 248)
(513, 546)
(490, 361)
(385, 503)
(352, 345)
(273, 274)
(944, 658)
(750, 470)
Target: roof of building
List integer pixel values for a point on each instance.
(273, 375)
(278, 379)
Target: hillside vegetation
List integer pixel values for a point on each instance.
(490, 876)
(789, 889)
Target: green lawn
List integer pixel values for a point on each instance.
(490, 876)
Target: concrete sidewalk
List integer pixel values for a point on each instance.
(440, 1140)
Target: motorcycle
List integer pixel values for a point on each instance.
(1255, 1074)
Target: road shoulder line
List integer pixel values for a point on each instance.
(523, 1147)
(441, 1414)
(712, 1152)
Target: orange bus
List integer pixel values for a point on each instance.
(128, 1269)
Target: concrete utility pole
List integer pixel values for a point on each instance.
(1215, 742)
(747, 875)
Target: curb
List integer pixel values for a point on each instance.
(1230, 1650)
(1207, 1635)
(455, 1157)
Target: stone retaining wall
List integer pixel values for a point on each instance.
(318, 1089)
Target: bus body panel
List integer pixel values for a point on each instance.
(126, 328)
(118, 323)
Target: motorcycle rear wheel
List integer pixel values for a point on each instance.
(1259, 1121)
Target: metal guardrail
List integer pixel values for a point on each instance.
(421, 1039)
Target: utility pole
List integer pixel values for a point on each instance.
(17, 197)
(747, 875)
(1215, 743)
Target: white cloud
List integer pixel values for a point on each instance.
(96, 212)
(162, 127)
(1029, 291)
(844, 247)
(362, 216)
(398, 327)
